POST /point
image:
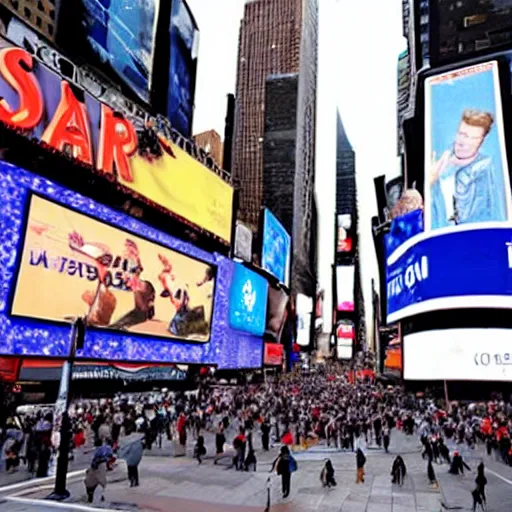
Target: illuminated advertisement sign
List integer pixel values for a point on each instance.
(276, 313)
(48, 108)
(345, 330)
(275, 257)
(458, 354)
(248, 301)
(344, 351)
(345, 287)
(115, 279)
(344, 238)
(468, 268)
(304, 309)
(273, 355)
(243, 242)
(182, 69)
(466, 170)
(19, 336)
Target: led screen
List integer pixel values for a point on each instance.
(182, 70)
(304, 309)
(458, 354)
(469, 268)
(115, 279)
(345, 287)
(344, 242)
(344, 351)
(273, 355)
(276, 313)
(275, 257)
(115, 36)
(466, 171)
(248, 301)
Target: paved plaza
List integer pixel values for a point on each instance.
(180, 484)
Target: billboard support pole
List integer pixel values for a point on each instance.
(61, 413)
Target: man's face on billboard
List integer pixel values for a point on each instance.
(468, 140)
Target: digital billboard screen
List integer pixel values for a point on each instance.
(482, 354)
(248, 301)
(344, 238)
(117, 37)
(345, 287)
(276, 313)
(275, 252)
(182, 68)
(304, 309)
(116, 280)
(466, 169)
(273, 355)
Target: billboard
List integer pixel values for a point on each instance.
(116, 280)
(275, 252)
(248, 301)
(116, 38)
(468, 268)
(304, 311)
(458, 354)
(344, 237)
(182, 67)
(344, 351)
(345, 330)
(115, 145)
(276, 313)
(24, 337)
(243, 242)
(273, 355)
(466, 170)
(345, 287)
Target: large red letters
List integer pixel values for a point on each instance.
(30, 108)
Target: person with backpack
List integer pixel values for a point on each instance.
(285, 465)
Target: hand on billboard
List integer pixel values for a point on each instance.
(76, 240)
(438, 166)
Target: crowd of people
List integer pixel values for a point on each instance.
(293, 411)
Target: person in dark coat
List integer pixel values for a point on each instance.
(360, 462)
(265, 434)
(282, 466)
(398, 471)
(220, 439)
(444, 452)
(131, 451)
(327, 475)
(458, 464)
(386, 438)
(479, 496)
(199, 449)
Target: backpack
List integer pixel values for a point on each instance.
(293, 464)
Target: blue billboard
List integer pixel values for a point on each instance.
(248, 301)
(21, 336)
(468, 268)
(275, 252)
(182, 68)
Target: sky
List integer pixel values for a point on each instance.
(361, 40)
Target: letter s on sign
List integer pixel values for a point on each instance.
(31, 107)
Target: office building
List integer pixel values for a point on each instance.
(211, 143)
(269, 44)
(345, 172)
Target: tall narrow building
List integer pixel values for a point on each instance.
(269, 44)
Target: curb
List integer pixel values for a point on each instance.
(38, 482)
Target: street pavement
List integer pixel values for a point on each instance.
(180, 484)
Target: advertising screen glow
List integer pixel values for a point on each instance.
(275, 257)
(345, 287)
(248, 301)
(468, 268)
(117, 280)
(458, 354)
(466, 170)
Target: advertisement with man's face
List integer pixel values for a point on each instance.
(73, 265)
(466, 170)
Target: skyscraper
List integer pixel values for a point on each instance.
(345, 172)
(269, 44)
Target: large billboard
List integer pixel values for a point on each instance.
(129, 148)
(344, 238)
(116, 280)
(20, 336)
(458, 354)
(304, 309)
(248, 301)
(117, 39)
(345, 287)
(276, 313)
(466, 169)
(275, 252)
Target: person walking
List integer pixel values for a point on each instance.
(199, 449)
(96, 474)
(432, 475)
(285, 465)
(360, 462)
(386, 438)
(131, 450)
(265, 434)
